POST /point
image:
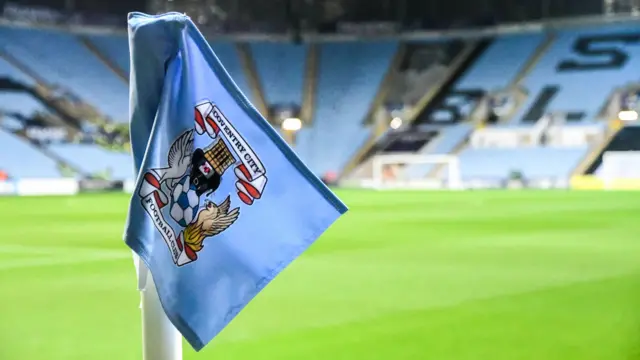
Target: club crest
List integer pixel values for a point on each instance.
(177, 196)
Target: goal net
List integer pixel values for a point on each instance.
(405, 171)
(620, 170)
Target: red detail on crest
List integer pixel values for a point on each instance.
(213, 124)
(244, 170)
(199, 119)
(179, 241)
(245, 199)
(251, 189)
(158, 199)
(190, 253)
(152, 180)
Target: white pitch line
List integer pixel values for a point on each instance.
(77, 258)
(56, 256)
(55, 250)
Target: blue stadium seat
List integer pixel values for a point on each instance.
(533, 162)
(495, 69)
(60, 58)
(500, 63)
(22, 160)
(350, 74)
(11, 123)
(93, 159)
(281, 68)
(228, 54)
(10, 71)
(115, 48)
(20, 102)
(581, 90)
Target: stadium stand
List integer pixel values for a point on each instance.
(25, 160)
(281, 68)
(532, 162)
(11, 124)
(559, 82)
(627, 139)
(550, 68)
(62, 60)
(423, 67)
(227, 53)
(20, 102)
(93, 159)
(495, 68)
(575, 83)
(556, 72)
(349, 77)
(114, 47)
(9, 71)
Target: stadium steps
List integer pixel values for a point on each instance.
(104, 59)
(593, 157)
(378, 129)
(458, 65)
(22, 67)
(534, 59)
(75, 114)
(249, 67)
(38, 90)
(385, 86)
(528, 67)
(310, 85)
(70, 122)
(44, 93)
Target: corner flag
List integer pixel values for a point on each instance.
(222, 205)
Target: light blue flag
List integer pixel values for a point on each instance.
(222, 204)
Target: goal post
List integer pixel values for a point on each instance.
(620, 170)
(404, 171)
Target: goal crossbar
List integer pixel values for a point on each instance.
(452, 163)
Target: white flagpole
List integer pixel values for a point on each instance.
(160, 339)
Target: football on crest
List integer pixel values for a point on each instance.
(184, 202)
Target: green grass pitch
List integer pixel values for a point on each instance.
(404, 275)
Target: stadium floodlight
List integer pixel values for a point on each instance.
(628, 115)
(291, 124)
(395, 123)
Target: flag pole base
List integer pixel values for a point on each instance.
(160, 339)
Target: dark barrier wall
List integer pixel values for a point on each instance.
(88, 186)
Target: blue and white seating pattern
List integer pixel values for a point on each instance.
(60, 58)
(281, 69)
(532, 162)
(9, 71)
(588, 90)
(115, 48)
(22, 160)
(21, 103)
(495, 69)
(349, 77)
(93, 159)
(227, 53)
